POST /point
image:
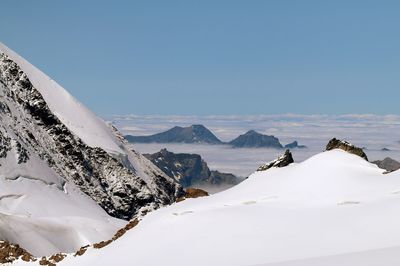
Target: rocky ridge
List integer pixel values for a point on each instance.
(191, 134)
(252, 139)
(281, 161)
(346, 146)
(189, 169)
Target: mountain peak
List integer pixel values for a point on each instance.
(253, 139)
(252, 132)
(57, 140)
(191, 134)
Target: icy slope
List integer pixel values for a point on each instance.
(332, 205)
(80, 148)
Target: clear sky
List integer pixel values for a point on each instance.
(214, 57)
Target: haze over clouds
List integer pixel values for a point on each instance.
(374, 132)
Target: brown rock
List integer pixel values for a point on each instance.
(193, 193)
(346, 146)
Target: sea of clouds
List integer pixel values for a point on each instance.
(373, 132)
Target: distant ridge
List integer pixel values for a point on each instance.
(389, 164)
(201, 135)
(253, 139)
(191, 134)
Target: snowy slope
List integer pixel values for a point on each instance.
(42, 212)
(63, 171)
(45, 220)
(68, 139)
(334, 207)
(80, 120)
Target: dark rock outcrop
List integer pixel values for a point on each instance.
(192, 134)
(346, 146)
(294, 145)
(282, 161)
(253, 139)
(192, 193)
(189, 169)
(389, 164)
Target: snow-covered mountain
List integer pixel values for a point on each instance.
(52, 149)
(335, 208)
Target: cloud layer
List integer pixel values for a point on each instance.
(371, 131)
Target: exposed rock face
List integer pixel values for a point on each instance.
(282, 161)
(389, 164)
(27, 126)
(10, 253)
(192, 134)
(253, 139)
(346, 146)
(189, 169)
(193, 193)
(294, 145)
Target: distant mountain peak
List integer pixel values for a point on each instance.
(192, 134)
(389, 164)
(254, 139)
(252, 132)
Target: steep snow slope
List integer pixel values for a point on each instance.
(45, 120)
(334, 207)
(80, 120)
(59, 163)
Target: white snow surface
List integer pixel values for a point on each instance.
(73, 114)
(332, 209)
(46, 215)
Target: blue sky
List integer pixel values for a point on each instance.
(214, 57)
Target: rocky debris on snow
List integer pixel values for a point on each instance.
(389, 164)
(82, 251)
(282, 161)
(10, 253)
(346, 146)
(52, 260)
(118, 234)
